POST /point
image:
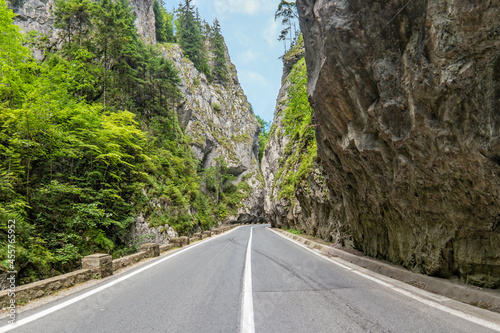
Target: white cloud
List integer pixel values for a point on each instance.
(241, 38)
(248, 56)
(271, 32)
(249, 7)
(254, 78)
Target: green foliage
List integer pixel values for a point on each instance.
(216, 106)
(287, 11)
(219, 70)
(263, 135)
(15, 59)
(163, 24)
(222, 188)
(301, 151)
(161, 34)
(190, 37)
(74, 20)
(293, 231)
(89, 137)
(72, 165)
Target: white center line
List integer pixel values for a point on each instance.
(247, 320)
(57, 307)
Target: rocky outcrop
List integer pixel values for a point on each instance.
(406, 97)
(308, 208)
(36, 15)
(142, 232)
(221, 124)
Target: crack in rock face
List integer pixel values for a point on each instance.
(408, 133)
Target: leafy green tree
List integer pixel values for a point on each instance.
(168, 18)
(263, 135)
(219, 70)
(14, 58)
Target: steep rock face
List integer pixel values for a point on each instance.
(309, 208)
(409, 128)
(36, 15)
(221, 123)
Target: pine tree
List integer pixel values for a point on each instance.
(159, 23)
(74, 19)
(219, 71)
(115, 37)
(287, 11)
(189, 35)
(168, 18)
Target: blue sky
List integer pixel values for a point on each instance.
(251, 34)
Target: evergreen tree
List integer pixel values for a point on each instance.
(189, 35)
(287, 11)
(263, 135)
(219, 71)
(116, 40)
(161, 34)
(168, 18)
(74, 19)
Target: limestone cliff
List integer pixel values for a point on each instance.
(36, 15)
(406, 97)
(307, 207)
(221, 124)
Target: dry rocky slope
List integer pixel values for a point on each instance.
(217, 117)
(408, 133)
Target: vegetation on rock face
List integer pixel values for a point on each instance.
(189, 36)
(89, 139)
(219, 71)
(263, 135)
(287, 12)
(301, 150)
(163, 24)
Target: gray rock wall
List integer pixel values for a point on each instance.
(409, 128)
(221, 123)
(36, 15)
(310, 208)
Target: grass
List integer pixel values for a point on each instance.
(293, 231)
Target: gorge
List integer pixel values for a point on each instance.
(385, 138)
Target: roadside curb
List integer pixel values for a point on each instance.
(475, 296)
(24, 294)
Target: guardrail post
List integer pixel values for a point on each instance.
(152, 249)
(100, 264)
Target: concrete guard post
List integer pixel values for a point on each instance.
(184, 240)
(100, 264)
(152, 249)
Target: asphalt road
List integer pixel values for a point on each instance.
(216, 286)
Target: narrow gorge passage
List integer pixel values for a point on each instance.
(200, 289)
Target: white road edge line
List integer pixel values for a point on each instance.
(458, 313)
(247, 318)
(55, 308)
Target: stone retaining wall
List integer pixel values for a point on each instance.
(95, 266)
